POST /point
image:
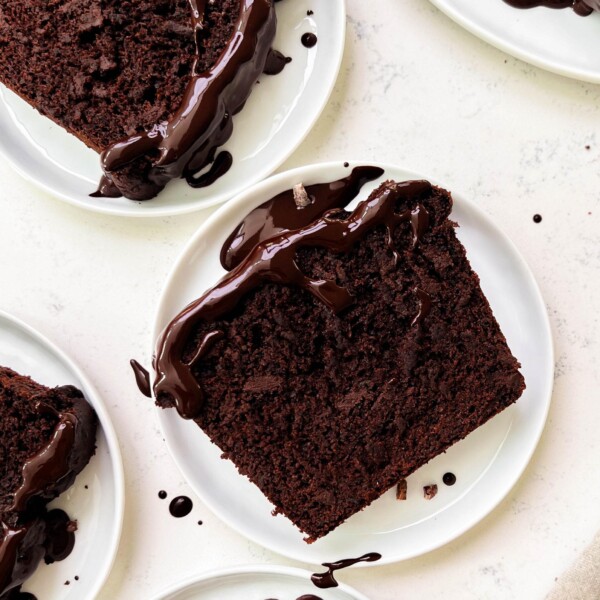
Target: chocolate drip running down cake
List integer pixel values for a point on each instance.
(152, 86)
(47, 437)
(338, 358)
(581, 7)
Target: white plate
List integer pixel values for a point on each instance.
(279, 114)
(254, 583)
(487, 463)
(556, 40)
(97, 508)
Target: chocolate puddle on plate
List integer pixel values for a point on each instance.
(327, 579)
(142, 378)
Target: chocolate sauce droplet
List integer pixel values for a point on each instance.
(60, 536)
(537, 218)
(181, 506)
(276, 62)
(162, 494)
(309, 40)
(449, 478)
(309, 597)
(327, 579)
(219, 167)
(142, 378)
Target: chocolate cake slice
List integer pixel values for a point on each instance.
(339, 357)
(47, 437)
(150, 85)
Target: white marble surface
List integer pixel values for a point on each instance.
(414, 90)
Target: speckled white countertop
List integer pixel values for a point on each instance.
(418, 91)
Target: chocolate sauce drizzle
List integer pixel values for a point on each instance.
(274, 261)
(218, 168)
(276, 62)
(142, 378)
(51, 463)
(327, 579)
(281, 214)
(581, 7)
(10, 543)
(184, 144)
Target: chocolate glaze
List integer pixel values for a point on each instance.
(184, 144)
(106, 189)
(309, 40)
(21, 550)
(218, 168)
(181, 506)
(51, 463)
(21, 596)
(273, 260)
(581, 7)
(327, 579)
(60, 536)
(281, 214)
(276, 62)
(142, 378)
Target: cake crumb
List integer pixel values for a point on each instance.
(401, 489)
(430, 491)
(301, 196)
(72, 526)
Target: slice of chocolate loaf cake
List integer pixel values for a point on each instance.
(47, 437)
(150, 85)
(338, 358)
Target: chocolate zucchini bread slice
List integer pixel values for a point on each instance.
(150, 85)
(339, 357)
(47, 437)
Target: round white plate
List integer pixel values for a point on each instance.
(96, 499)
(487, 463)
(557, 40)
(278, 115)
(254, 583)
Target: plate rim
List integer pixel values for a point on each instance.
(238, 202)
(111, 438)
(251, 569)
(482, 33)
(187, 208)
